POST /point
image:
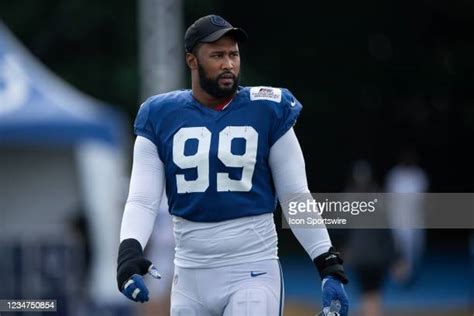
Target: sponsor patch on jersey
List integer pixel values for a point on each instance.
(265, 93)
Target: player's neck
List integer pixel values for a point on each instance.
(210, 101)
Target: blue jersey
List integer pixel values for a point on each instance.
(216, 162)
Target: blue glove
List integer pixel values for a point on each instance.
(329, 265)
(334, 297)
(135, 288)
(131, 265)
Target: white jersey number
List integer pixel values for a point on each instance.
(200, 160)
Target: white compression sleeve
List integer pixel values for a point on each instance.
(145, 192)
(289, 175)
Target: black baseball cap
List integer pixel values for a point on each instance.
(209, 29)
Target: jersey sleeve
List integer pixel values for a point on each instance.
(143, 125)
(286, 115)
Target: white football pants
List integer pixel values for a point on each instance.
(251, 289)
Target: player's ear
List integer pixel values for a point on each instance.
(191, 60)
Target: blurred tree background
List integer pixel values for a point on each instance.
(373, 76)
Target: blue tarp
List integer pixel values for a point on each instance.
(36, 107)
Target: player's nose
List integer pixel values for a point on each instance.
(228, 63)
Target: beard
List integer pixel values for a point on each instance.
(211, 86)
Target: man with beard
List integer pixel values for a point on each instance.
(224, 153)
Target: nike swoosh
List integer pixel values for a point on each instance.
(293, 103)
(255, 274)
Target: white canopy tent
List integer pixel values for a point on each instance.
(60, 151)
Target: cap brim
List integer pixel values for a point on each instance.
(237, 33)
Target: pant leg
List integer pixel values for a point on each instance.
(186, 298)
(258, 290)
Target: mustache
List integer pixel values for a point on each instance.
(226, 73)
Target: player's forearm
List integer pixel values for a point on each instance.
(146, 189)
(289, 175)
(137, 223)
(315, 241)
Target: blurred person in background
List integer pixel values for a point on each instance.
(370, 252)
(79, 229)
(407, 180)
(224, 153)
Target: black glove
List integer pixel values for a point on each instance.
(330, 263)
(131, 266)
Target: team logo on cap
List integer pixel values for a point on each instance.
(218, 21)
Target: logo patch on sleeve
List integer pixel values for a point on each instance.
(265, 93)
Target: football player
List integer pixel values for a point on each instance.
(224, 153)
